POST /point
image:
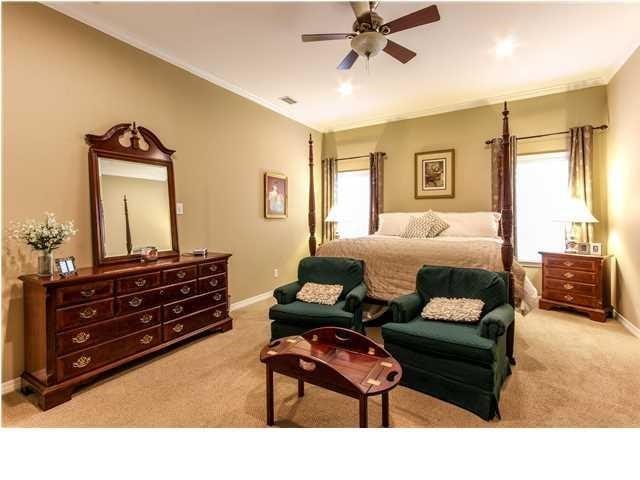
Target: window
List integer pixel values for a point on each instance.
(353, 203)
(542, 181)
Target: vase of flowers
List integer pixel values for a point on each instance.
(44, 237)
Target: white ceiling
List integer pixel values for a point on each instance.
(254, 49)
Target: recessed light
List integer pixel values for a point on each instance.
(345, 89)
(505, 47)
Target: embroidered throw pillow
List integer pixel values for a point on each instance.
(438, 225)
(319, 293)
(466, 310)
(418, 227)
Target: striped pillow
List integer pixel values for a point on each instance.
(418, 227)
(438, 225)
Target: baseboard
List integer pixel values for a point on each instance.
(627, 324)
(11, 385)
(251, 300)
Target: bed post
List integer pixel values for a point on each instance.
(312, 203)
(507, 222)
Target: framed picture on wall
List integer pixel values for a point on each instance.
(434, 174)
(275, 195)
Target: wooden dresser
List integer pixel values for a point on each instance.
(575, 281)
(79, 327)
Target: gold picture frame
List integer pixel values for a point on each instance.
(276, 195)
(435, 174)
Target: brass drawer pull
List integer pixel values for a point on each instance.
(146, 339)
(213, 282)
(307, 366)
(178, 327)
(568, 275)
(141, 282)
(217, 314)
(181, 274)
(88, 293)
(568, 298)
(82, 362)
(568, 286)
(88, 312)
(146, 318)
(81, 337)
(568, 264)
(213, 268)
(177, 309)
(217, 297)
(135, 302)
(185, 290)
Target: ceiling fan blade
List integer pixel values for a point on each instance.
(398, 52)
(348, 61)
(319, 37)
(415, 19)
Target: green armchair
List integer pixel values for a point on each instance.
(461, 363)
(293, 317)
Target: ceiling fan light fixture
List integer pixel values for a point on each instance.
(369, 44)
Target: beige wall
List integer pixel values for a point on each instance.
(63, 79)
(466, 132)
(623, 161)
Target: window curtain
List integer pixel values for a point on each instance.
(580, 175)
(376, 175)
(329, 180)
(496, 179)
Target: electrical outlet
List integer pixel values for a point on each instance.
(275, 273)
(179, 208)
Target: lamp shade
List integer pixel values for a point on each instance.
(334, 214)
(574, 210)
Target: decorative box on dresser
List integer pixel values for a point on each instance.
(578, 282)
(85, 325)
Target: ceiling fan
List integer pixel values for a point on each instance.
(369, 33)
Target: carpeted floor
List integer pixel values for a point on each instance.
(571, 372)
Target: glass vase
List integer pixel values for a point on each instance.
(45, 263)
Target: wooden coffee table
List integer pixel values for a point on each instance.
(337, 359)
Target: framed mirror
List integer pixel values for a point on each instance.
(132, 195)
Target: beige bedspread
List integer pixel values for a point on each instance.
(393, 262)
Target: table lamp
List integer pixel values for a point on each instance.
(572, 211)
(334, 216)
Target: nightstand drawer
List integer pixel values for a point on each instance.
(570, 298)
(571, 275)
(570, 287)
(572, 263)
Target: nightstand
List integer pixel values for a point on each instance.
(578, 282)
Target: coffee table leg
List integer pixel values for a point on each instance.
(300, 387)
(385, 409)
(270, 414)
(363, 411)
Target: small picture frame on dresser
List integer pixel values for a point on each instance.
(595, 248)
(66, 266)
(583, 248)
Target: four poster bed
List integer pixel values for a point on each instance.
(393, 262)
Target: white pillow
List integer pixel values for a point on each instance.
(393, 223)
(471, 224)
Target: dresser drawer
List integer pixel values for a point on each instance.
(585, 264)
(191, 305)
(84, 314)
(570, 287)
(190, 323)
(91, 358)
(138, 282)
(570, 298)
(214, 282)
(179, 274)
(179, 291)
(573, 275)
(212, 268)
(83, 337)
(84, 292)
(136, 302)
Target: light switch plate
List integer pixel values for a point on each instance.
(179, 208)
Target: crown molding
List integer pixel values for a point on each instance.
(68, 10)
(509, 97)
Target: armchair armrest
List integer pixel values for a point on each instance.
(406, 307)
(287, 293)
(355, 298)
(495, 323)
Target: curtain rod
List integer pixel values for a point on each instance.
(601, 127)
(352, 158)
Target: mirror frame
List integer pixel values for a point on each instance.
(109, 146)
